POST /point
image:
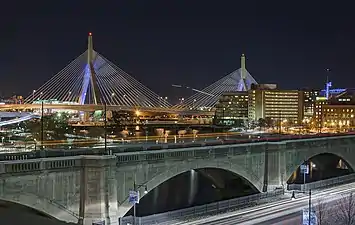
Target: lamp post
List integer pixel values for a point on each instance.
(105, 126)
(42, 127)
(305, 170)
(309, 207)
(135, 188)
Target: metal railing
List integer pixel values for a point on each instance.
(203, 210)
(322, 183)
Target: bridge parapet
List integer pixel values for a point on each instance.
(92, 188)
(31, 165)
(190, 153)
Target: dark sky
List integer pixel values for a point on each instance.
(161, 42)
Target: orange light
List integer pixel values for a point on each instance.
(90, 34)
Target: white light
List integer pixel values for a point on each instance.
(313, 165)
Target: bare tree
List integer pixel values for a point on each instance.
(345, 212)
(321, 209)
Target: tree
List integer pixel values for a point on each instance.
(56, 125)
(321, 212)
(262, 123)
(33, 127)
(269, 122)
(345, 213)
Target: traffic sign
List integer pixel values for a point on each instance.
(304, 168)
(134, 197)
(306, 217)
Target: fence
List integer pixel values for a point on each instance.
(322, 183)
(203, 210)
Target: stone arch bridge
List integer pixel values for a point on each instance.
(86, 189)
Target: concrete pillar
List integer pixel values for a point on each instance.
(276, 167)
(98, 191)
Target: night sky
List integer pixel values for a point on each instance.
(187, 42)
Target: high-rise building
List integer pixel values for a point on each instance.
(309, 97)
(318, 109)
(277, 105)
(262, 101)
(232, 108)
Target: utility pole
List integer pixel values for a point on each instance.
(135, 201)
(309, 207)
(42, 127)
(134, 204)
(105, 126)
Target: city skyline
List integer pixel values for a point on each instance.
(162, 44)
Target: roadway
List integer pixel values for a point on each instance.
(284, 212)
(92, 108)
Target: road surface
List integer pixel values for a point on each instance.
(284, 212)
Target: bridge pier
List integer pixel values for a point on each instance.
(98, 191)
(275, 168)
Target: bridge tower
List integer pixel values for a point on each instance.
(90, 80)
(242, 86)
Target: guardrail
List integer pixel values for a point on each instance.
(203, 210)
(322, 183)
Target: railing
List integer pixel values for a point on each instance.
(31, 165)
(322, 183)
(203, 210)
(290, 141)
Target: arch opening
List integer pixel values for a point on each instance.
(322, 166)
(10, 211)
(192, 188)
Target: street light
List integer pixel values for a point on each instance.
(135, 188)
(105, 126)
(309, 207)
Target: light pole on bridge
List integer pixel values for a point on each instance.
(42, 127)
(134, 197)
(105, 125)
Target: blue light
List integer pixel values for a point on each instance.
(87, 76)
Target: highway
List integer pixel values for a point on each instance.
(284, 212)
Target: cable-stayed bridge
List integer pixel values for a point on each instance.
(91, 82)
(205, 99)
(91, 79)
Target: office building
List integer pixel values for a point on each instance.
(337, 112)
(232, 109)
(309, 97)
(277, 105)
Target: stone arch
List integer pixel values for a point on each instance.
(45, 206)
(180, 167)
(310, 154)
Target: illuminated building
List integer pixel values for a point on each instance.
(232, 108)
(309, 97)
(277, 105)
(338, 112)
(318, 109)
